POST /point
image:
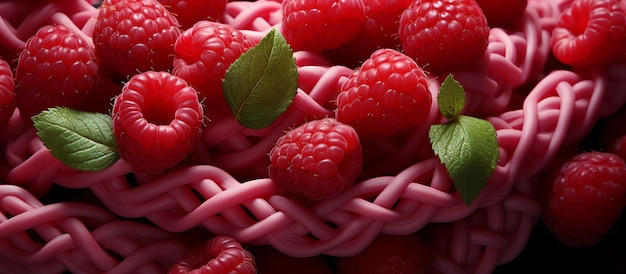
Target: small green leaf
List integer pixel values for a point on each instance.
(451, 98)
(81, 140)
(469, 149)
(262, 82)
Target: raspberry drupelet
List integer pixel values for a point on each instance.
(57, 67)
(317, 160)
(387, 95)
(586, 198)
(443, 35)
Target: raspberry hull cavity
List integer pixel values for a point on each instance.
(157, 120)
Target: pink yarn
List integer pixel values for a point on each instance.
(224, 189)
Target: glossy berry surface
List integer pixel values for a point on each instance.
(317, 160)
(321, 25)
(7, 92)
(379, 30)
(388, 94)
(444, 34)
(157, 120)
(203, 53)
(221, 254)
(590, 33)
(57, 67)
(133, 36)
(585, 198)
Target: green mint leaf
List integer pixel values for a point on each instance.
(81, 140)
(468, 148)
(262, 82)
(451, 98)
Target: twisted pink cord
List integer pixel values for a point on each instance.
(224, 189)
(79, 237)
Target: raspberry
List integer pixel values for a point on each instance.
(188, 12)
(590, 32)
(7, 92)
(157, 120)
(221, 254)
(133, 36)
(503, 14)
(317, 160)
(388, 94)
(321, 25)
(586, 198)
(379, 30)
(56, 68)
(444, 34)
(203, 54)
(389, 254)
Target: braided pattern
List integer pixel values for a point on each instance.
(219, 193)
(78, 237)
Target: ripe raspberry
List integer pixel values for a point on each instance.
(586, 198)
(379, 30)
(318, 159)
(388, 94)
(188, 12)
(7, 92)
(444, 34)
(203, 54)
(503, 14)
(221, 254)
(321, 25)
(590, 32)
(157, 120)
(389, 254)
(133, 36)
(56, 68)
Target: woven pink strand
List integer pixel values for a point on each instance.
(492, 231)
(70, 244)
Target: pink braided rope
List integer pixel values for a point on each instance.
(78, 237)
(561, 108)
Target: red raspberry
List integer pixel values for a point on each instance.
(7, 92)
(221, 254)
(590, 32)
(56, 68)
(586, 198)
(379, 30)
(133, 36)
(389, 254)
(321, 25)
(503, 13)
(444, 34)
(157, 120)
(188, 12)
(318, 159)
(203, 54)
(388, 94)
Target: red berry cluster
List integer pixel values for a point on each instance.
(441, 35)
(57, 67)
(7, 92)
(170, 57)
